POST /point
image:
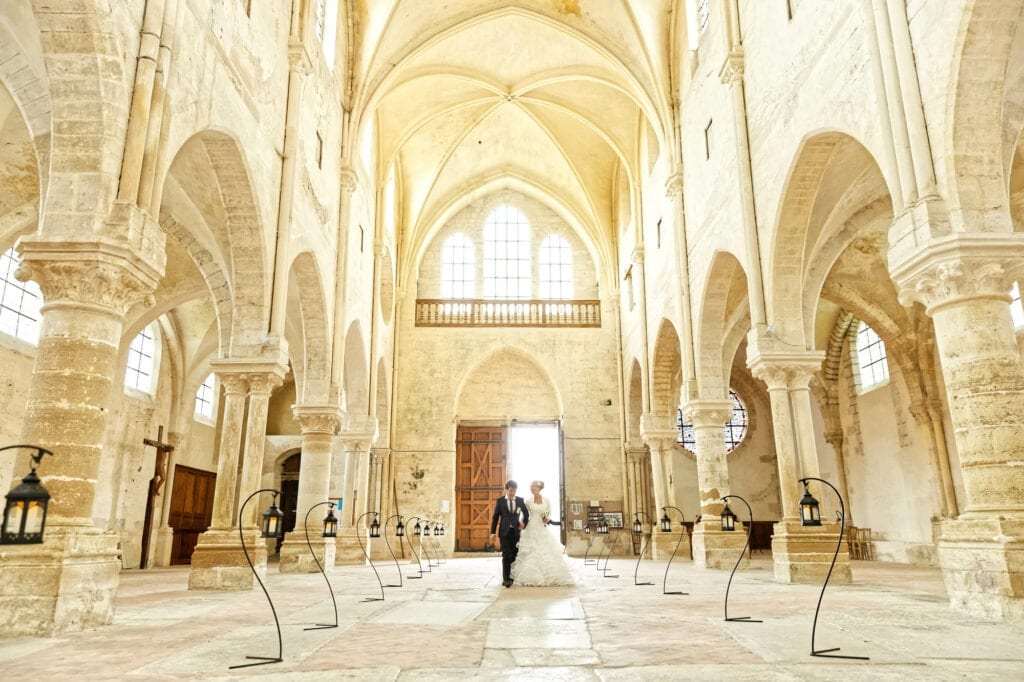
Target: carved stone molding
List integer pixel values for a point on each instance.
(90, 283)
(264, 382)
(732, 67)
(234, 384)
(960, 268)
(791, 371)
(348, 178)
(674, 185)
(313, 419)
(708, 413)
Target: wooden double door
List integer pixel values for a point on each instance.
(191, 510)
(481, 457)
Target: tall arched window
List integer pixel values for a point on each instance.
(458, 272)
(506, 254)
(871, 357)
(19, 301)
(204, 398)
(555, 268)
(141, 363)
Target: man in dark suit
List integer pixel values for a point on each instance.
(506, 524)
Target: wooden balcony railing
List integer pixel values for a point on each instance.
(477, 312)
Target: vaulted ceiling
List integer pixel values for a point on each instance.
(551, 97)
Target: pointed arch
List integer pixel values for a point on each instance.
(724, 314)
(305, 288)
(520, 373)
(357, 373)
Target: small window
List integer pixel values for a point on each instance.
(555, 266)
(19, 301)
(1016, 309)
(204, 398)
(733, 431)
(458, 273)
(628, 286)
(871, 358)
(707, 140)
(139, 374)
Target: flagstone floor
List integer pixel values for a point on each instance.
(458, 623)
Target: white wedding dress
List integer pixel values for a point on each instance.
(540, 561)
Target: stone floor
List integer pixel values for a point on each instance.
(457, 622)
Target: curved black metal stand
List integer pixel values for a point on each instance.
(611, 548)
(388, 543)
(432, 562)
(366, 552)
(305, 525)
(412, 548)
(827, 653)
(750, 530)
(645, 542)
(260, 660)
(682, 532)
(586, 561)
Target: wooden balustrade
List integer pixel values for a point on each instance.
(507, 313)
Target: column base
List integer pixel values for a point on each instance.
(295, 555)
(347, 551)
(67, 583)
(663, 544)
(715, 548)
(218, 562)
(163, 546)
(982, 562)
(803, 554)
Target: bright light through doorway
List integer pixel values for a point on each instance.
(533, 454)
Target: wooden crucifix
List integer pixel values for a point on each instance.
(163, 450)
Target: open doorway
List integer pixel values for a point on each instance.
(535, 453)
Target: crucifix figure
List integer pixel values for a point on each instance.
(159, 476)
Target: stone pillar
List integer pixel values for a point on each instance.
(963, 282)
(357, 450)
(218, 561)
(800, 554)
(319, 423)
(69, 581)
(377, 497)
(712, 547)
(660, 435)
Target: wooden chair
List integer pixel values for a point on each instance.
(867, 550)
(852, 543)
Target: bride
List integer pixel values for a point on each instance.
(540, 561)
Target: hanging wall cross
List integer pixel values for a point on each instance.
(162, 450)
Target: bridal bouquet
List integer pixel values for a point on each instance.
(545, 518)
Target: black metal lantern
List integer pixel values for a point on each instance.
(25, 511)
(417, 530)
(426, 527)
(375, 527)
(810, 511)
(728, 518)
(586, 529)
(442, 529)
(602, 527)
(400, 528)
(330, 523)
(637, 526)
(666, 523)
(272, 519)
(437, 529)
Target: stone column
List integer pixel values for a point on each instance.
(319, 423)
(660, 435)
(68, 582)
(218, 561)
(963, 282)
(357, 450)
(800, 554)
(377, 497)
(712, 547)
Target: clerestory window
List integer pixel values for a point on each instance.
(458, 271)
(141, 362)
(871, 358)
(555, 268)
(506, 254)
(204, 398)
(19, 301)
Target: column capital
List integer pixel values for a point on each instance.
(958, 268)
(674, 184)
(360, 428)
(658, 431)
(708, 413)
(348, 178)
(637, 255)
(318, 419)
(731, 70)
(255, 375)
(637, 454)
(786, 370)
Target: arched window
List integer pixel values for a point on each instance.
(555, 268)
(204, 398)
(19, 301)
(733, 431)
(1016, 309)
(458, 273)
(141, 364)
(327, 28)
(506, 254)
(871, 358)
